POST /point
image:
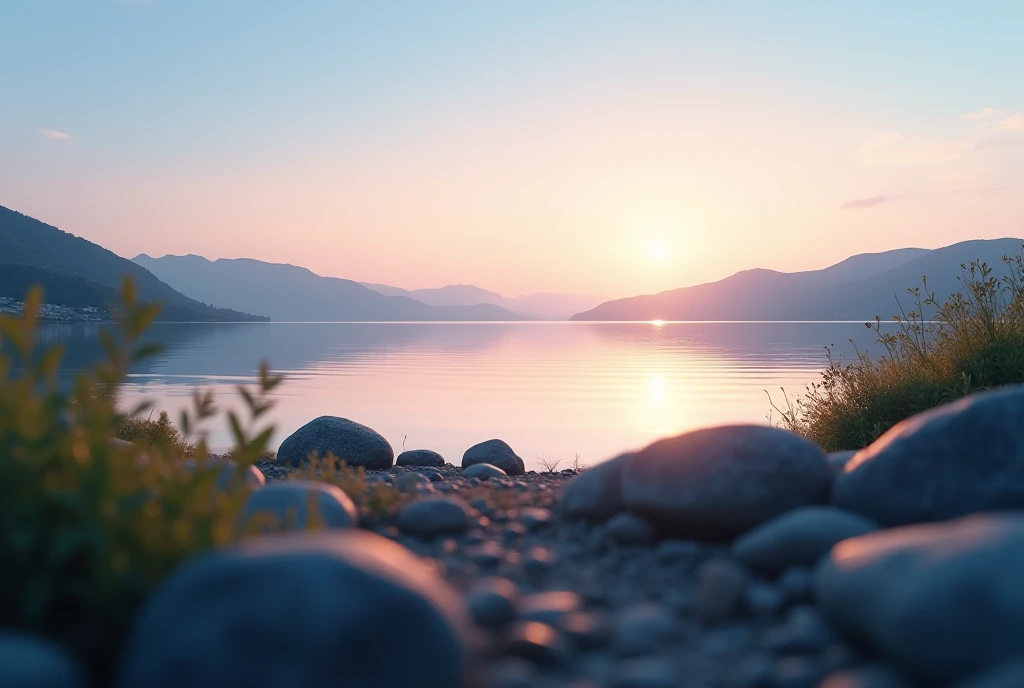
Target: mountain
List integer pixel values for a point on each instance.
(64, 263)
(540, 306)
(858, 288)
(292, 293)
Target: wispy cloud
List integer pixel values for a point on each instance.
(982, 114)
(1014, 123)
(54, 134)
(862, 203)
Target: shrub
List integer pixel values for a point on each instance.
(974, 341)
(89, 528)
(149, 432)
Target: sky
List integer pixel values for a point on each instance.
(610, 148)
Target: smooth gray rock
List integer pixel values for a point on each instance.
(433, 516)
(411, 482)
(957, 459)
(420, 457)
(285, 504)
(1009, 674)
(643, 629)
(30, 662)
(630, 529)
(647, 672)
(798, 538)
(941, 601)
(596, 493)
(484, 471)
(721, 588)
(718, 483)
(314, 609)
(492, 602)
(228, 476)
(496, 453)
(837, 460)
(346, 440)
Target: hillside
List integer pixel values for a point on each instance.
(59, 257)
(539, 306)
(858, 288)
(292, 293)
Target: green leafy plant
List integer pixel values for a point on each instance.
(89, 526)
(975, 340)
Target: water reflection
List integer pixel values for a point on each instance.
(547, 388)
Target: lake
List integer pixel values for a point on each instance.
(551, 390)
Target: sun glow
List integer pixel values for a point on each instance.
(657, 251)
(657, 323)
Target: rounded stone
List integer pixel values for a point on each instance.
(647, 672)
(30, 662)
(643, 629)
(837, 460)
(484, 471)
(957, 459)
(537, 643)
(228, 476)
(942, 601)
(718, 483)
(549, 607)
(721, 586)
(596, 493)
(291, 504)
(346, 440)
(630, 529)
(411, 482)
(492, 602)
(497, 453)
(433, 516)
(314, 607)
(419, 457)
(798, 538)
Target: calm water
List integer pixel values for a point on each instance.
(549, 389)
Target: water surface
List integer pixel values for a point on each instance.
(549, 389)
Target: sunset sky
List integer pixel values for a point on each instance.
(613, 148)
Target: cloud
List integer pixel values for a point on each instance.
(861, 203)
(54, 134)
(1014, 123)
(982, 114)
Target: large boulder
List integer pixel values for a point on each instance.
(954, 460)
(348, 441)
(290, 504)
(419, 457)
(720, 482)
(496, 453)
(941, 601)
(798, 538)
(30, 662)
(596, 493)
(312, 609)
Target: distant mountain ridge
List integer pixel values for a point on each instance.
(72, 268)
(288, 292)
(539, 306)
(858, 288)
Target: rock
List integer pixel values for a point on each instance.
(412, 482)
(420, 457)
(285, 504)
(538, 643)
(763, 600)
(317, 608)
(954, 460)
(229, 474)
(432, 476)
(720, 590)
(348, 441)
(837, 460)
(586, 631)
(549, 607)
(433, 516)
(496, 453)
(1009, 674)
(492, 602)
(798, 538)
(718, 483)
(30, 662)
(648, 672)
(513, 673)
(533, 518)
(643, 629)
(797, 584)
(596, 493)
(752, 671)
(630, 529)
(871, 677)
(803, 632)
(941, 601)
(484, 471)
(538, 560)
(796, 672)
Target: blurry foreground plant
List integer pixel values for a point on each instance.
(90, 527)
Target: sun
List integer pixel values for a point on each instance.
(657, 251)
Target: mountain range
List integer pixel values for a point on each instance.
(858, 288)
(77, 272)
(539, 306)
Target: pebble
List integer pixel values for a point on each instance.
(549, 607)
(285, 505)
(433, 516)
(643, 629)
(630, 529)
(648, 672)
(483, 471)
(492, 602)
(721, 586)
(538, 643)
(875, 677)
